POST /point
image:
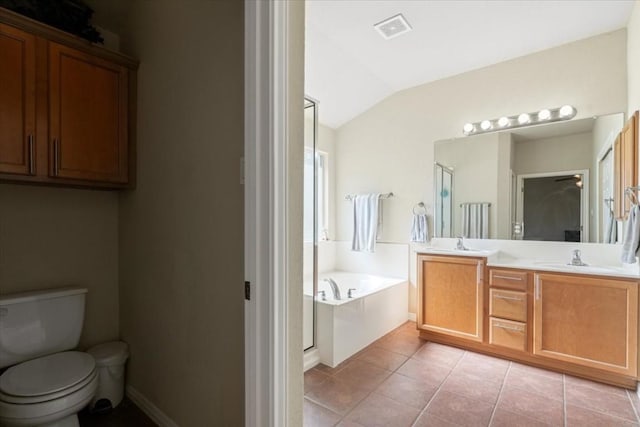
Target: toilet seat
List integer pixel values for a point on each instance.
(47, 388)
(46, 378)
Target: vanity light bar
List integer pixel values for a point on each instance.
(546, 115)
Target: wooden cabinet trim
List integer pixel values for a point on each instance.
(50, 33)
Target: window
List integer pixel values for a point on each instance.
(322, 198)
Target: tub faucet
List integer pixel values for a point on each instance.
(576, 260)
(334, 288)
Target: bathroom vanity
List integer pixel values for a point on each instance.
(578, 320)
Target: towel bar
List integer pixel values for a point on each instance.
(382, 196)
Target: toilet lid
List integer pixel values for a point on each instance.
(48, 374)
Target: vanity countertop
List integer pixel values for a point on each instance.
(626, 271)
(498, 258)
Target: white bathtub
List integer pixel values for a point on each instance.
(346, 326)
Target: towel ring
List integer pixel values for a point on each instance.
(420, 206)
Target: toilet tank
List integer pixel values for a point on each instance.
(34, 324)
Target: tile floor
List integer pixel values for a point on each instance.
(401, 380)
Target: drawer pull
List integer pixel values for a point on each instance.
(32, 167)
(498, 276)
(56, 154)
(507, 298)
(509, 328)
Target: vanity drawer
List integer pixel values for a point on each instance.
(509, 279)
(507, 333)
(508, 304)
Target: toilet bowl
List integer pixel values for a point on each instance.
(44, 384)
(47, 391)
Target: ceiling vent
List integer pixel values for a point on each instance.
(393, 27)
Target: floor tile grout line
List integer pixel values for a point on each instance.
(344, 417)
(424, 410)
(365, 397)
(632, 405)
(495, 405)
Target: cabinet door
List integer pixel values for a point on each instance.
(625, 165)
(587, 321)
(450, 296)
(88, 116)
(17, 101)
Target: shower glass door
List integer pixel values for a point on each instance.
(310, 223)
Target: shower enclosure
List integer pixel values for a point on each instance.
(443, 201)
(310, 223)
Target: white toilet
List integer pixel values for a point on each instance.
(45, 385)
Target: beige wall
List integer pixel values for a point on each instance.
(52, 237)
(557, 154)
(633, 59)
(390, 146)
(295, 132)
(181, 230)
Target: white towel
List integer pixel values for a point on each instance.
(475, 220)
(419, 229)
(365, 222)
(631, 236)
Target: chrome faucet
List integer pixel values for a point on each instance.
(576, 260)
(460, 244)
(334, 288)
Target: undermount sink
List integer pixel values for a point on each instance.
(579, 268)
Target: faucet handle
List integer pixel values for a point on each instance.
(323, 294)
(350, 293)
(576, 253)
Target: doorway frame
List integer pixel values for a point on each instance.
(269, 344)
(584, 199)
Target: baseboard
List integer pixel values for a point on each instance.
(411, 316)
(152, 411)
(311, 358)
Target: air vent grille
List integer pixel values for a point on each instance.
(393, 27)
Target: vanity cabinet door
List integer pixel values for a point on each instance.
(17, 101)
(450, 296)
(587, 321)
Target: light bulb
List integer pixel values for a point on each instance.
(544, 114)
(503, 121)
(523, 118)
(468, 128)
(485, 125)
(567, 111)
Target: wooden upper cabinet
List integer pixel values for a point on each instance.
(450, 296)
(67, 108)
(17, 101)
(591, 322)
(88, 99)
(625, 167)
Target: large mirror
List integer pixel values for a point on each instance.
(551, 182)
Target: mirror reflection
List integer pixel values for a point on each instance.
(550, 182)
